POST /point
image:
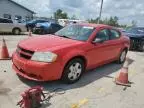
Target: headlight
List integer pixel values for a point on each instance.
(44, 57)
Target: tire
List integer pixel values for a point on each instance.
(73, 71)
(142, 47)
(122, 57)
(16, 31)
(27, 28)
(42, 31)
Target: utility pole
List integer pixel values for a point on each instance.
(100, 11)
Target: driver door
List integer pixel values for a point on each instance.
(100, 52)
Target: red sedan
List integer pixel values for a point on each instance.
(69, 52)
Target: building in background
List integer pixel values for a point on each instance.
(12, 10)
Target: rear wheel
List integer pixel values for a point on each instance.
(73, 71)
(42, 31)
(142, 46)
(16, 31)
(122, 57)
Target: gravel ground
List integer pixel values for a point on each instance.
(96, 88)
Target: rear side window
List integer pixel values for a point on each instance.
(9, 21)
(1, 20)
(103, 34)
(114, 34)
(41, 21)
(5, 21)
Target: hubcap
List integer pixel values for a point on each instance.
(16, 31)
(74, 71)
(123, 55)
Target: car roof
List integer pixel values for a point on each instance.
(37, 20)
(94, 25)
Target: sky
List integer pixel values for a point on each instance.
(126, 10)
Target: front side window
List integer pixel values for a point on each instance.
(103, 35)
(6, 21)
(18, 18)
(41, 21)
(114, 34)
(77, 32)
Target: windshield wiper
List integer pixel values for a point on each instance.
(62, 36)
(65, 36)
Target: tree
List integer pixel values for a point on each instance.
(113, 21)
(93, 20)
(59, 14)
(134, 23)
(116, 21)
(73, 17)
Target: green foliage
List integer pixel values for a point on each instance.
(73, 17)
(59, 14)
(134, 23)
(113, 21)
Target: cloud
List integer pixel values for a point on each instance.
(84, 9)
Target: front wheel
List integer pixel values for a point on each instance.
(16, 31)
(73, 71)
(122, 57)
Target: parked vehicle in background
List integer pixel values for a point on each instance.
(69, 52)
(65, 22)
(31, 24)
(7, 25)
(122, 29)
(46, 28)
(136, 36)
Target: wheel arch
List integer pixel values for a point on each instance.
(126, 48)
(122, 49)
(75, 57)
(16, 28)
(79, 57)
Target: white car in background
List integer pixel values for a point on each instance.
(7, 26)
(64, 22)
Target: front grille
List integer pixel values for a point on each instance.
(27, 51)
(135, 43)
(28, 74)
(26, 54)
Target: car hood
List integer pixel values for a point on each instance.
(134, 35)
(49, 42)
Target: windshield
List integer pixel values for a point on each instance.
(77, 32)
(32, 21)
(135, 30)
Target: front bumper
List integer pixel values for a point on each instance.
(135, 43)
(37, 71)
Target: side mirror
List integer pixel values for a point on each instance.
(98, 40)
